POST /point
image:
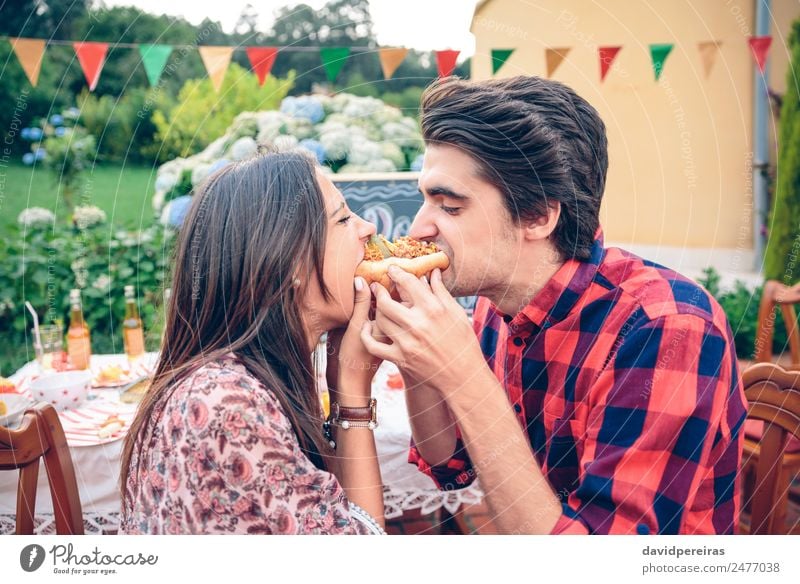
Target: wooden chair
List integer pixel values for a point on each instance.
(774, 397)
(41, 436)
(776, 295)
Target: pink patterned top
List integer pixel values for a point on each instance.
(221, 457)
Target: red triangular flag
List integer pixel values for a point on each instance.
(91, 56)
(446, 62)
(607, 56)
(262, 59)
(760, 47)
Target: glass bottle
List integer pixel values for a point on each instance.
(132, 329)
(79, 346)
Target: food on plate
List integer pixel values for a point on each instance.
(110, 374)
(134, 393)
(7, 386)
(415, 257)
(110, 426)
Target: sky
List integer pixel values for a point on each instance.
(417, 24)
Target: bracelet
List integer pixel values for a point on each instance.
(346, 417)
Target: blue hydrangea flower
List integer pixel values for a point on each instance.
(35, 134)
(60, 131)
(25, 134)
(218, 165)
(416, 166)
(57, 119)
(315, 148)
(305, 106)
(177, 210)
(28, 158)
(39, 154)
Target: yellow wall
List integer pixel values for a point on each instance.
(679, 149)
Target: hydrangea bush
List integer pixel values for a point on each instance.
(345, 133)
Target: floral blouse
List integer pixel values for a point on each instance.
(220, 456)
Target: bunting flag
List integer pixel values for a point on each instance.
(262, 59)
(391, 58)
(216, 61)
(659, 54)
(333, 59)
(499, 58)
(553, 58)
(607, 56)
(154, 59)
(91, 56)
(708, 54)
(30, 53)
(446, 62)
(760, 47)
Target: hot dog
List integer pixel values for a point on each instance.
(415, 257)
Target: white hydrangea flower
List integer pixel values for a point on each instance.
(34, 217)
(379, 165)
(214, 150)
(102, 283)
(285, 143)
(402, 134)
(78, 267)
(351, 169)
(88, 216)
(364, 151)
(200, 173)
(165, 182)
(336, 143)
(393, 153)
(243, 148)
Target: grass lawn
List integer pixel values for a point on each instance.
(123, 192)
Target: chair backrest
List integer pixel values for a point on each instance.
(41, 436)
(774, 397)
(771, 297)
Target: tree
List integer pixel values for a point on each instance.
(782, 261)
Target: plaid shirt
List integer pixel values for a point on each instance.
(624, 377)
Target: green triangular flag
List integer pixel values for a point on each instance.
(499, 58)
(333, 59)
(154, 58)
(659, 54)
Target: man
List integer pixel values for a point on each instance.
(602, 393)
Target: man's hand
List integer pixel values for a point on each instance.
(431, 337)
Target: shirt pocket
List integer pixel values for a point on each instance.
(564, 446)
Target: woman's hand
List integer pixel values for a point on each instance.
(350, 367)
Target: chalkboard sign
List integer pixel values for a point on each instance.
(390, 201)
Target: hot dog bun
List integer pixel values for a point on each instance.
(415, 257)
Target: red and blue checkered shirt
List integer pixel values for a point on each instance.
(623, 375)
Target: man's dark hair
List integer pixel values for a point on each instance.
(535, 140)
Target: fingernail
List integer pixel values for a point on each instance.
(424, 279)
(393, 269)
(359, 282)
(374, 288)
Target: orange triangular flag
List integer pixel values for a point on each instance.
(30, 53)
(216, 60)
(553, 57)
(607, 56)
(390, 59)
(91, 56)
(446, 62)
(708, 54)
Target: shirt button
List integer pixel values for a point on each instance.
(642, 529)
(507, 318)
(517, 341)
(517, 408)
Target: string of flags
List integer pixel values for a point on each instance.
(216, 59)
(759, 47)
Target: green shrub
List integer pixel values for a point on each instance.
(42, 263)
(202, 115)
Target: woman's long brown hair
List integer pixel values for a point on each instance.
(252, 229)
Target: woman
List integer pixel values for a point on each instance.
(230, 437)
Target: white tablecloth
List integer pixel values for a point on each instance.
(97, 468)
